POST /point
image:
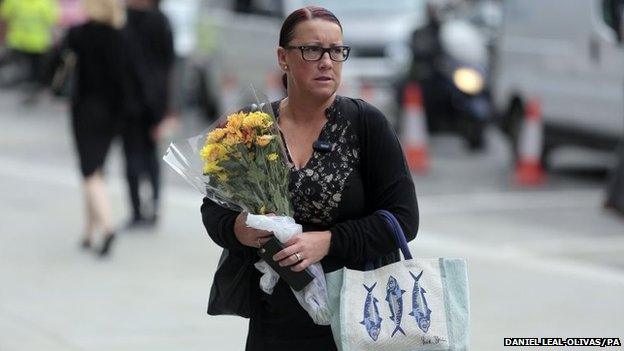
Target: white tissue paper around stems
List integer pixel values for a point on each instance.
(313, 298)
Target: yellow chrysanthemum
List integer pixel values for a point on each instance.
(212, 167)
(272, 156)
(235, 133)
(214, 152)
(257, 120)
(232, 139)
(235, 122)
(264, 140)
(216, 135)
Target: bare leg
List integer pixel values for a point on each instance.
(96, 188)
(100, 205)
(90, 218)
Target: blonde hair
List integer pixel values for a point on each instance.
(109, 12)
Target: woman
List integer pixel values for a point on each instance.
(347, 163)
(96, 106)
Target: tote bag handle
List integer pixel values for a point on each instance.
(399, 235)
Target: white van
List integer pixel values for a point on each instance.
(569, 56)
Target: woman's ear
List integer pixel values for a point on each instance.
(281, 58)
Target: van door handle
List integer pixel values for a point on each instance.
(594, 50)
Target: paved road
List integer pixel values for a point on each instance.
(543, 263)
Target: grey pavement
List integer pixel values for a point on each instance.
(544, 262)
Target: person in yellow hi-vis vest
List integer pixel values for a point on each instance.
(29, 31)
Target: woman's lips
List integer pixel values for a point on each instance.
(323, 79)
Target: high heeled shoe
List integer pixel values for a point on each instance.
(85, 244)
(106, 245)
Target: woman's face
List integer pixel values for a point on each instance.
(317, 78)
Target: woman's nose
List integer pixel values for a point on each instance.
(325, 61)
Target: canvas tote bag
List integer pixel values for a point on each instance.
(414, 304)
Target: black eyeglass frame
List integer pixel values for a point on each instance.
(323, 51)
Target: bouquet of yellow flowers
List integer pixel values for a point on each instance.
(241, 164)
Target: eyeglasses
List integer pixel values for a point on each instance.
(339, 53)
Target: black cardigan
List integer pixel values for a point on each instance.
(365, 171)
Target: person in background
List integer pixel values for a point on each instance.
(97, 106)
(29, 36)
(427, 56)
(150, 46)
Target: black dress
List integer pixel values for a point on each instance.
(339, 191)
(98, 91)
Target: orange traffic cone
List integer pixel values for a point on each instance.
(529, 170)
(414, 130)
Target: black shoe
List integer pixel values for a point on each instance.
(142, 223)
(152, 221)
(86, 243)
(135, 223)
(104, 251)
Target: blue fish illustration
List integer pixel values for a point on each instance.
(372, 320)
(394, 296)
(420, 309)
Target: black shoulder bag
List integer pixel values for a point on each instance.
(231, 291)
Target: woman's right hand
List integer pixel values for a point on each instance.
(249, 236)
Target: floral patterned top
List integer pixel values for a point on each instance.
(317, 188)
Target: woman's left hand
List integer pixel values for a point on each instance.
(310, 246)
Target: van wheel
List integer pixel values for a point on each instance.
(514, 126)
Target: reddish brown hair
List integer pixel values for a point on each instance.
(303, 14)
